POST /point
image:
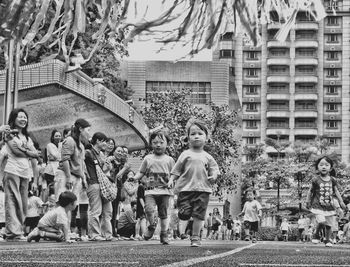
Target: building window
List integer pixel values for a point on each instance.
(200, 91)
(332, 141)
(278, 52)
(305, 106)
(252, 125)
(228, 36)
(332, 72)
(278, 105)
(306, 88)
(226, 53)
(331, 4)
(252, 55)
(252, 107)
(332, 124)
(332, 38)
(277, 123)
(333, 21)
(332, 90)
(332, 55)
(305, 123)
(305, 35)
(332, 107)
(305, 139)
(305, 52)
(305, 70)
(251, 89)
(252, 72)
(251, 140)
(278, 87)
(232, 71)
(277, 70)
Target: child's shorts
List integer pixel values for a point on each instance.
(252, 226)
(32, 222)
(327, 220)
(192, 204)
(284, 232)
(162, 203)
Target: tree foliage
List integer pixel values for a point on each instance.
(173, 109)
(200, 21)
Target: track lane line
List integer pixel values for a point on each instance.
(190, 262)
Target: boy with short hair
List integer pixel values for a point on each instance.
(54, 225)
(252, 214)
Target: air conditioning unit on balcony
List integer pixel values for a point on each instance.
(251, 82)
(332, 48)
(251, 99)
(332, 82)
(331, 117)
(251, 117)
(332, 100)
(252, 65)
(332, 65)
(332, 31)
(331, 135)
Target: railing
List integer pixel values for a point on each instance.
(53, 72)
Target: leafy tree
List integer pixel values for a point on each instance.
(173, 109)
(200, 21)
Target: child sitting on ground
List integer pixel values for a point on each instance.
(54, 225)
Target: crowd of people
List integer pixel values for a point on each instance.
(58, 193)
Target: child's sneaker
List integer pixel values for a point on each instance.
(195, 242)
(254, 240)
(183, 236)
(149, 233)
(84, 238)
(315, 241)
(34, 235)
(329, 244)
(247, 238)
(164, 238)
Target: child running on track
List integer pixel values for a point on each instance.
(252, 214)
(155, 168)
(194, 172)
(320, 196)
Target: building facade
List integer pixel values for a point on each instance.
(297, 89)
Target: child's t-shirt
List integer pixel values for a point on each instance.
(251, 211)
(322, 194)
(193, 169)
(34, 205)
(284, 226)
(156, 170)
(55, 217)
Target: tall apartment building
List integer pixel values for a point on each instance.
(297, 89)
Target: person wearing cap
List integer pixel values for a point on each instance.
(70, 172)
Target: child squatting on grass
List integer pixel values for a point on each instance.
(320, 196)
(194, 172)
(54, 225)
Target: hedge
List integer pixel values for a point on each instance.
(274, 234)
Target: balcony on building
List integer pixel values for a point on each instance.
(277, 126)
(303, 131)
(306, 43)
(305, 113)
(332, 99)
(306, 91)
(306, 60)
(306, 73)
(332, 6)
(278, 109)
(304, 21)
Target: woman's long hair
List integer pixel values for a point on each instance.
(54, 131)
(12, 120)
(75, 131)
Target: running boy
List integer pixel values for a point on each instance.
(54, 225)
(194, 172)
(155, 168)
(252, 214)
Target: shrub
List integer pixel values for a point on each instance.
(273, 233)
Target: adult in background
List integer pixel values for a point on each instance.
(20, 153)
(70, 173)
(100, 212)
(120, 168)
(216, 223)
(53, 156)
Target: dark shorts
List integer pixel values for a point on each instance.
(32, 222)
(192, 204)
(162, 203)
(284, 232)
(252, 226)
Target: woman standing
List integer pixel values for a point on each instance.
(70, 173)
(53, 155)
(21, 153)
(217, 222)
(100, 212)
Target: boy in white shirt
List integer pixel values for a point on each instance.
(54, 225)
(252, 214)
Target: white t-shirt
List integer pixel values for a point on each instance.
(251, 211)
(284, 226)
(2, 207)
(19, 166)
(34, 205)
(55, 217)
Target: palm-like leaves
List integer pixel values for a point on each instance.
(201, 21)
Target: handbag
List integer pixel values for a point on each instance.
(109, 190)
